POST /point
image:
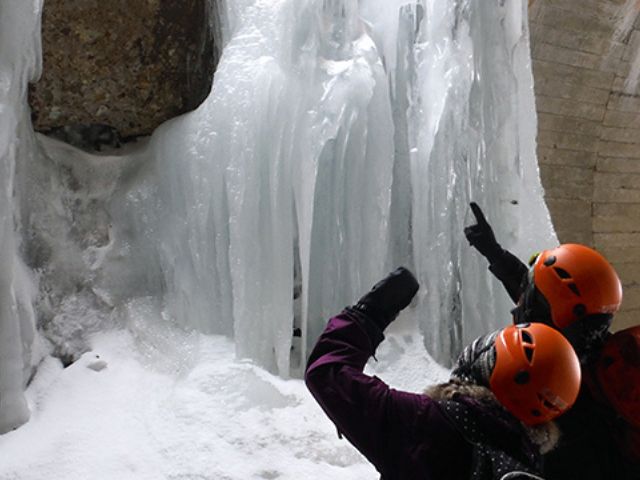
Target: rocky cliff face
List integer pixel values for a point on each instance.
(115, 69)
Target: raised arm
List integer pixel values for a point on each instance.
(379, 421)
(504, 265)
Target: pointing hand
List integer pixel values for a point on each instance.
(481, 236)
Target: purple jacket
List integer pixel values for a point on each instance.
(405, 435)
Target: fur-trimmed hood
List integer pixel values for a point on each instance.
(544, 436)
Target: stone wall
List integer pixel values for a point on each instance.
(586, 58)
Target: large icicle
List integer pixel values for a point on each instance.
(256, 151)
(19, 63)
(344, 160)
(472, 93)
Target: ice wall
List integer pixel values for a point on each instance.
(340, 139)
(287, 163)
(449, 87)
(471, 128)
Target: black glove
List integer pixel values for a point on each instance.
(388, 297)
(481, 237)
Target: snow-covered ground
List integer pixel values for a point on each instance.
(154, 402)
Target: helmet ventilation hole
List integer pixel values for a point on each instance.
(535, 412)
(562, 273)
(574, 288)
(527, 344)
(550, 261)
(522, 377)
(528, 351)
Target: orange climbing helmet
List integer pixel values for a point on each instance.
(576, 281)
(618, 373)
(536, 375)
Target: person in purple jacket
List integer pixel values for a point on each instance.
(492, 422)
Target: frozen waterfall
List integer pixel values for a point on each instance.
(340, 139)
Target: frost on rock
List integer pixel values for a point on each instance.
(340, 140)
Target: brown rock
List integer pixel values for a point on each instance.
(127, 66)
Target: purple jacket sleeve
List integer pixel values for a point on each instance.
(404, 435)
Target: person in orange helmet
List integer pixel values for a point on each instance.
(615, 379)
(492, 426)
(571, 287)
(575, 290)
